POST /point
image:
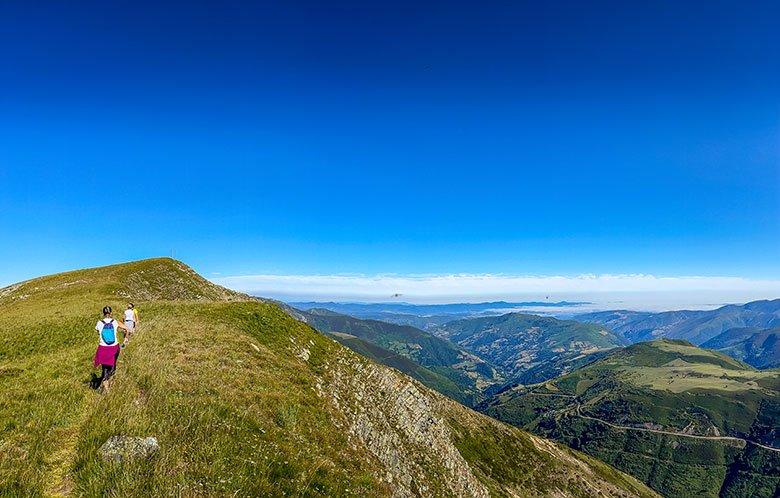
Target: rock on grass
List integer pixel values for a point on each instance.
(121, 448)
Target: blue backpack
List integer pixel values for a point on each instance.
(108, 333)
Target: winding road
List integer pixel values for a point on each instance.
(578, 412)
(672, 433)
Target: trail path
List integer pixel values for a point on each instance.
(59, 462)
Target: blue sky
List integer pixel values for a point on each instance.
(296, 138)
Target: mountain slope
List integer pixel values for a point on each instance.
(403, 364)
(469, 373)
(694, 326)
(627, 407)
(530, 348)
(757, 347)
(244, 400)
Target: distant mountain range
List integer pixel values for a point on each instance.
(356, 309)
(757, 347)
(530, 348)
(695, 326)
(686, 421)
(430, 316)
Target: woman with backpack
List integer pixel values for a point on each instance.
(108, 345)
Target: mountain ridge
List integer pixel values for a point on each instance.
(755, 346)
(695, 326)
(243, 399)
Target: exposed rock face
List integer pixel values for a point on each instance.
(122, 448)
(409, 430)
(397, 422)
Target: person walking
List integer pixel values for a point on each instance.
(131, 319)
(108, 345)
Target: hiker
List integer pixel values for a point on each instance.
(131, 319)
(108, 345)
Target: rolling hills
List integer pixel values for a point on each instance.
(530, 348)
(435, 362)
(244, 400)
(694, 326)
(685, 420)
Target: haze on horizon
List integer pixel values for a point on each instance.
(636, 292)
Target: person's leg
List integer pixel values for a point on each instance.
(103, 376)
(94, 382)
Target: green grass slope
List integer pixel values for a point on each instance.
(530, 348)
(629, 407)
(456, 372)
(245, 401)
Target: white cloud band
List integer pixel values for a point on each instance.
(471, 287)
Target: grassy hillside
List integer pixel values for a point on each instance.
(623, 408)
(244, 400)
(530, 348)
(757, 347)
(447, 367)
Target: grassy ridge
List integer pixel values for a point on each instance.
(52, 424)
(244, 400)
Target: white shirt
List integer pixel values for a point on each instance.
(130, 315)
(99, 328)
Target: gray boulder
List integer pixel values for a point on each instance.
(121, 448)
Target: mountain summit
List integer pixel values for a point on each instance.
(243, 399)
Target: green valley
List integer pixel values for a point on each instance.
(530, 348)
(687, 421)
(435, 362)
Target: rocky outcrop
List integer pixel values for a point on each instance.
(396, 421)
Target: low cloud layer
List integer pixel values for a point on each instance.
(470, 287)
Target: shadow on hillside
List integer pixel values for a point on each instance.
(94, 381)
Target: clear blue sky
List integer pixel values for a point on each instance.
(296, 138)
